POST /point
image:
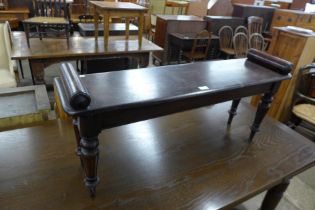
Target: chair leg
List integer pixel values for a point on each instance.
(38, 28)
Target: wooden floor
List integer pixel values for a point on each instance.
(182, 161)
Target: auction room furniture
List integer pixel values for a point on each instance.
(120, 9)
(241, 29)
(23, 106)
(92, 66)
(4, 4)
(257, 41)
(180, 5)
(240, 44)
(151, 168)
(176, 161)
(87, 29)
(297, 48)
(179, 42)
(51, 18)
(200, 48)
(303, 105)
(166, 24)
(246, 10)
(293, 18)
(282, 4)
(226, 41)
(215, 23)
(49, 51)
(14, 16)
(7, 77)
(141, 94)
(255, 25)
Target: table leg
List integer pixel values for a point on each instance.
(89, 152)
(21, 69)
(37, 71)
(262, 110)
(127, 27)
(27, 34)
(141, 25)
(96, 18)
(144, 60)
(274, 195)
(106, 29)
(232, 111)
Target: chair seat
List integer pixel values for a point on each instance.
(228, 51)
(47, 20)
(7, 80)
(305, 112)
(196, 55)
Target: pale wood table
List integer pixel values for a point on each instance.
(120, 9)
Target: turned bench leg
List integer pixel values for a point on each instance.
(232, 111)
(262, 110)
(274, 195)
(89, 152)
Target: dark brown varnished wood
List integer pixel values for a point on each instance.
(182, 161)
(119, 98)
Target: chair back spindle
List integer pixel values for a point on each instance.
(240, 42)
(50, 8)
(257, 41)
(255, 25)
(226, 37)
(241, 29)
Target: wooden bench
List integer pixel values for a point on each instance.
(103, 101)
(188, 160)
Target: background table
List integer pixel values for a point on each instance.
(119, 9)
(171, 162)
(49, 51)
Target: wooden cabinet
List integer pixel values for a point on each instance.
(283, 5)
(166, 24)
(14, 15)
(293, 18)
(299, 4)
(297, 48)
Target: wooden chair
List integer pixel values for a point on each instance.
(257, 41)
(240, 43)
(152, 27)
(226, 41)
(255, 25)
(200, 47)
(7, 75)
(241, 29)
(50, 18)
(303, 105)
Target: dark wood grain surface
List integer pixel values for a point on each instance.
(182, 161)
(78, 47)
(160, 85)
